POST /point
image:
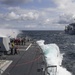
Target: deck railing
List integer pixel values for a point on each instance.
(51, 70)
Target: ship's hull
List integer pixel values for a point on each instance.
(72, 32)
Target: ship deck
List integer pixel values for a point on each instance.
(28, 61)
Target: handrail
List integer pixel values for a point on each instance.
(52, 66)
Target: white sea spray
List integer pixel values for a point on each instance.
(53, 57)
(11, 33)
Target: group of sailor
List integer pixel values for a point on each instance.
(20, 41)
(15, 42)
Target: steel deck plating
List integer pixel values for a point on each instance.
(28, 61)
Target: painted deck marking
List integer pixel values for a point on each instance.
(28, 47)
(5, 66)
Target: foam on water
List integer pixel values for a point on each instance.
(53, 57)
(12, 33)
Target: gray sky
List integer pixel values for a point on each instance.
(36, 14)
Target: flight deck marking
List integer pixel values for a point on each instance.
(5, 66)
(28, 47)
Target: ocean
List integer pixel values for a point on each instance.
(65, 42)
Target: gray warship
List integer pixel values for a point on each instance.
(70, 29)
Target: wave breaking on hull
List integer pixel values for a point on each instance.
(53, 57)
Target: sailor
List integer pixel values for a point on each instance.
(12, 47)
(15, 49)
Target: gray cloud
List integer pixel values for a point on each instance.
(24, 18)
(14, 2)
(19, 17)
(66, 19)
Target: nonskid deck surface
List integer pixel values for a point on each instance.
(26, 62)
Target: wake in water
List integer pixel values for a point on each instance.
(53, 57)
